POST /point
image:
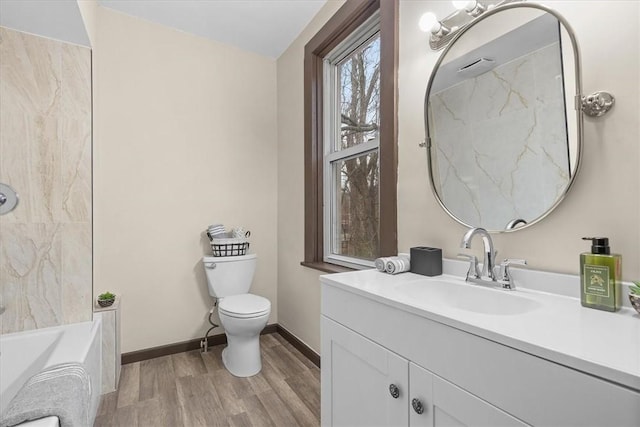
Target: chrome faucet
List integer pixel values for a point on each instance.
(489, 252)
(505, 280)
(488, 274)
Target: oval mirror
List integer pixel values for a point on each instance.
(503, 131)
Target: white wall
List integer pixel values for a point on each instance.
(604, 201)
(89, 12)
(184, 136)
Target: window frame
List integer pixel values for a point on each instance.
(366, 32)
(343, 24)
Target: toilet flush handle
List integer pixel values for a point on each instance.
(210, 265)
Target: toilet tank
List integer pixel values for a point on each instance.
(230, 275)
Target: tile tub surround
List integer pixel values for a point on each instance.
(45, 155)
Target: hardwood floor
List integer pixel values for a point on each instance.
(194, 389)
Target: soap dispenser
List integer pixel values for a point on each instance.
(600, 275)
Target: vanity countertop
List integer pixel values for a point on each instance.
(558, 328)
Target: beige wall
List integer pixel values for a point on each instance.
(298, 287)
(89, 12)
(604, 201)
(185, 136)
(45, 155)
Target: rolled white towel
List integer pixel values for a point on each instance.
(381, 263)
(398, 264)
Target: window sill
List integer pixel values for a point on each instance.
(326, 267)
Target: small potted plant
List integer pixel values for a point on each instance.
(634, 296)
(106, 299)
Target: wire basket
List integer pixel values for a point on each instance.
(229, 247)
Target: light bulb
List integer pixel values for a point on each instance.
(429, 22)
(467, 5)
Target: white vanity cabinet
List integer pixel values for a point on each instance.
(436, 402)
(364, 384)
(462, 374)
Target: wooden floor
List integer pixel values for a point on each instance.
(194, 389)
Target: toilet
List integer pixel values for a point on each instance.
(243, 315)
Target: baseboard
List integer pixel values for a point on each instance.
(165, 350)
(299, 345)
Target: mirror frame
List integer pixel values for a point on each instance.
(576, 106)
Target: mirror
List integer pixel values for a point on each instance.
(503, 131)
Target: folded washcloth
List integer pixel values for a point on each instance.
(381, 263)
(62, 390)
(398, 264)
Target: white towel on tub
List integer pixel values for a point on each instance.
(62, 390)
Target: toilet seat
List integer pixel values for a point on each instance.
(244, 306)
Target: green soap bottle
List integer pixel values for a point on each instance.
(600, 275)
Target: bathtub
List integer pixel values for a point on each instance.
(23, 354)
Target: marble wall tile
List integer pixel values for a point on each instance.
(76, 84)
(77, 303)
(75, 133)
(31, 277)
(31, 72)
(76, 170)
(30, 162)
(45, 154)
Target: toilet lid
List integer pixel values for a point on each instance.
(245, 305)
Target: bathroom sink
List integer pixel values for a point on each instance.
(468, 297)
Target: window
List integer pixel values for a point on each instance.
(350, 137)
(351, 148)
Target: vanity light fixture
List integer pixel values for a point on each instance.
(442, 31)
(472, 7)
(429, 23)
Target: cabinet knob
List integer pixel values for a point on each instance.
(394, 391)
(417, 406)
